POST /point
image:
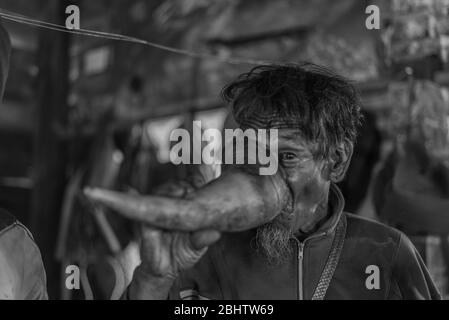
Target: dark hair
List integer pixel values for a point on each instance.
(322, 105)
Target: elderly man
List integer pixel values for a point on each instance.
(22, 274)
(316, 250)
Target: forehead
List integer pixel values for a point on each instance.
(293, 138)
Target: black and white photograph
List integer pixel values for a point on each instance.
(243, 151)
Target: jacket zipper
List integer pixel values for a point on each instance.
(300, 252)
(300, 271)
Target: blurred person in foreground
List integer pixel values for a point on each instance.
(316, 251)
(22, 274)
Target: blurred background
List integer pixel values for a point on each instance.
(90, 111)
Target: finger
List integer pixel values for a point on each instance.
(150, 233)
(152, 243)
(205, 238)
(152, 237)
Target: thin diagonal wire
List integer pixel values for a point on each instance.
(7, 15)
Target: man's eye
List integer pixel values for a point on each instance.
(288, 156)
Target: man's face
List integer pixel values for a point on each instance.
(309, 182)
(307, 177)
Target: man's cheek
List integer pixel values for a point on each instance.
(313, 191)
(308, 187)
(309, 193)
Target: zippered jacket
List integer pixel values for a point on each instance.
(347, 258)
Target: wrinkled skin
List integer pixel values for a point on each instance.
(164, 255)
(172, 252)
(309, 180)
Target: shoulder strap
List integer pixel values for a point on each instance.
(332, 260)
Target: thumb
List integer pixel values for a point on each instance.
(205, 238)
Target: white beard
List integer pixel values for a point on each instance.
(273, 242)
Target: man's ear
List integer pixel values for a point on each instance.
(340, 160)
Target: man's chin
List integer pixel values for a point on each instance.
(274, 241)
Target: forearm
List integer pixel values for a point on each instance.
(145, 286)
